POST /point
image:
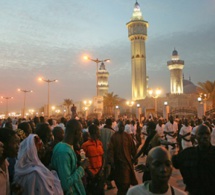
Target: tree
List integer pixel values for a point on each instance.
(68, 103)
(208, 88)
(110, 101)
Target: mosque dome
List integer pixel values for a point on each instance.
(175, 52)
(189, 87)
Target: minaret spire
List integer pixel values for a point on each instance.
(137, 33)
(175, 65)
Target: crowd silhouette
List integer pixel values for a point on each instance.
(77, 156)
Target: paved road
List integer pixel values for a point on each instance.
(175, 180)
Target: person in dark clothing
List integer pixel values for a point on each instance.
(25, 126)
(197, 164)
(73, 110)
(121, 152)
(105, 135)
(43, 130)
(138, 135)
(152, 141)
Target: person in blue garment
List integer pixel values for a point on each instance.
(64, 160)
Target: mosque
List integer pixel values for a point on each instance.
(182, 98)
(183, 93)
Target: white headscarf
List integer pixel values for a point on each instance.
(31, 174)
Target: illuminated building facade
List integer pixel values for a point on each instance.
(176, 76)
(137, 33)
(102, 80)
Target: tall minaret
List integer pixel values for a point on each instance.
(176, 77)
(137, 33)
(102, 80)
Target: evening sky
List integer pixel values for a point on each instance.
(49, 38)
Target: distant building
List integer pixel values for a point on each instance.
(137, 33)
(189, 87)
(102, 80)
(176, 78)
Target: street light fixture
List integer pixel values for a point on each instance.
(24, 91)
(130, 104)
(87, 104)
(7, 98)
(97, 61)
(202, 99)
(166, 110)
(48, 81)
(117, 112)
(139, 111)
(199, 99)
(155, 94)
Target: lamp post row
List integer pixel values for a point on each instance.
(7, 98)
(48, 81)
(24, 91)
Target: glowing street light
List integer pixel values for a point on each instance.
(155, 94)
(202, 99)
(139, 111)
(97, 61)
(117, 112)
(24, 91)
(130, 104)
(7, 98)
(166, 110)
(48, 81)
(31, 111)
(87, 104)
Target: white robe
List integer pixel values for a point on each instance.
(183, 131)
(31, 174)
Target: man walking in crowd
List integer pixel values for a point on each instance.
(197, 164)
(64, 160)
(185, 134)
(170, 131)
(159, 164)
(121, 152)
(105, 134)
(160, 128)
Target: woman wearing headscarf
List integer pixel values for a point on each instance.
(31, 174)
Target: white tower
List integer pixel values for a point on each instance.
(102, 80)
(137, 33)
(176, 78)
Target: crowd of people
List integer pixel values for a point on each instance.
(78, 156)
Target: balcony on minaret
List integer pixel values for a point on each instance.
(175, 62)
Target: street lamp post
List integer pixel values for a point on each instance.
(117, 112)
(166, 110)
(87, 104)
(139, 111)
(155, 94)
(130, 104)
(48, 81)
(203, 100)
(24, 91)
(97, 61)
(7, 98)
(200, 110)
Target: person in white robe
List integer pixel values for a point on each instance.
(31, 174)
